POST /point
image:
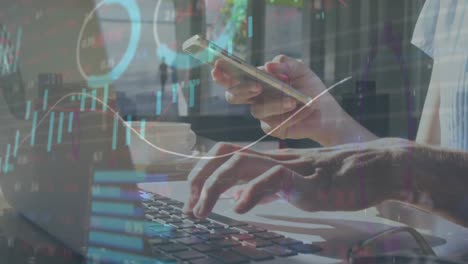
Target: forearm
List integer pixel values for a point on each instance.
(429, 124)
(442, 176)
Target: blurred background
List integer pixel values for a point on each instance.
(366, 39)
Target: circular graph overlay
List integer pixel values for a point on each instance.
(184, 61)
(99, 81)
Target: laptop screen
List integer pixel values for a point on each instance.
(64, 155)
(73, 76)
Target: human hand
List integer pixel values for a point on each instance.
(344, 178)
(321, 121)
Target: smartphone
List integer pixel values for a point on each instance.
(208, 52)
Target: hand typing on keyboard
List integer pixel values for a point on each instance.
(329, 179)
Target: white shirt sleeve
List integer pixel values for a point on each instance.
(425, 30)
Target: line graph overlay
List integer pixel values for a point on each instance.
(140, 135)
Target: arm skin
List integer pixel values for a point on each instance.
(442, 174)
(429, 126)
(314, 179)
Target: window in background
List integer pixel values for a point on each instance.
(222, 22)
(137, 89)
(371, 40)
(285, 35)
(283, 29)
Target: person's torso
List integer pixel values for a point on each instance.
(451, 68)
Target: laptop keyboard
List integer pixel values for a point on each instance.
(216, 239)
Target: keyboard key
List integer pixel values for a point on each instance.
(174, 234)
(170, 248)
(168, 211)
(253, 253)
(196, 220)
(229, 222)
(160, 220)
(195, 231)
(285, 241)
(257, 243)
(268, 235)
(205, 247)
(149, 216)
(174, 202)
(161, 216)
(227, 243)
(173, 220)
(151, 210)
(163, 207)
(162, 258)
(158, 197)
(205, 261)
(181, 216)
(176, 213)
(150, 203)
(175, 208)
(210, 237)
(225, 231)
(155, 230)
(229, 257)
(242, 237)
(251, 229)
(188, 255)
(188, 241)
(158, 241)
(182, 225)
(305, 248)
(168, 220)
(279, 251)
(210, 226)
(159, 203)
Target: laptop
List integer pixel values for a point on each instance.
(65, 164)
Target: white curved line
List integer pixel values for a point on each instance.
(176, 153)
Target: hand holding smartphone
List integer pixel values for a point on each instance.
(208, 52)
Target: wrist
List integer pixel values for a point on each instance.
(410, 173)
